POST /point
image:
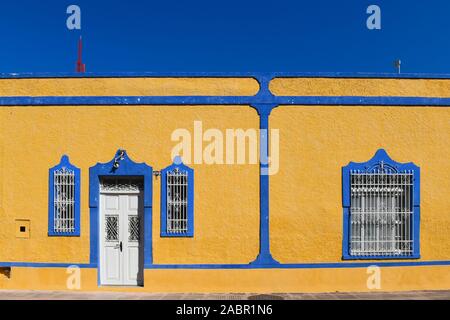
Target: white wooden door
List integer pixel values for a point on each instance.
(121, 233)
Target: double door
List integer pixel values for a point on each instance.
(121, 249)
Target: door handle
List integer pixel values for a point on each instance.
(120, 246)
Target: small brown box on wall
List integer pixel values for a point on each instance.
(22, 228)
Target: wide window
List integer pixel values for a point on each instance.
(64, 198)
(381, 209)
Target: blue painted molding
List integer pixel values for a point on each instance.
(264, 96)
(319, 265)
(264, 257)
(263, 102)
(380, 158)
(220, 101)
(177, 165)
(64, 163)
(126, 167)
(224, 75)
(44, 265)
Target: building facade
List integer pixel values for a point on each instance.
(135, 182)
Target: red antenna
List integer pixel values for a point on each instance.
(81, 67)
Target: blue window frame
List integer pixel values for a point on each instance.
(64, 199)
(177, 200)
(381, 203)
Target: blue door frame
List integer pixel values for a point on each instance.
(120, 166)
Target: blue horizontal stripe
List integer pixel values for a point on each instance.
(326, 265)
(226, 75)
(302, 265)
(45, 265)
(223, 100)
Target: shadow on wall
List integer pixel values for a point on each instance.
(5, 272)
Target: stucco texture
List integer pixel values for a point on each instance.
(129, 87)
(305, 195)
(34, 139)
(315, 142)
(360, 87)
(241, 280)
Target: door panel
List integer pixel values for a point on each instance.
(133, 268)
(112, 265)
(111, 262)
(131, 239)
(112, 202)
(121, 236)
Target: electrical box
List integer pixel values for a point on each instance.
(22, 228)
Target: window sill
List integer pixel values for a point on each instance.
(399, 257)
(63, 234)
(176, 235)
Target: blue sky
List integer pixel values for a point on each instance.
(226, 35)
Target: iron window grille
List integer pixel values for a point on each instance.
(64, 197)
(112, 227)
(177, 203)
(133, 228)
(381, 209)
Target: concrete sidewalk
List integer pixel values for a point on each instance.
(72, 295)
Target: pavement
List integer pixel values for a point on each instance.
(77, 295)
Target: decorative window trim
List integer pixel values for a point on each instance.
(64, 163)
(178, 165)
(380, 161)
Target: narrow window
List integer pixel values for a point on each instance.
(177, 200)
(64, 195)
(381, 209)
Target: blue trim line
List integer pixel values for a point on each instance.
(45, 265)
(224, 100)
(224, 75)
(263, 101)
(380, 161)
(127, 167)
(303, 265)
(264, 257)
(64, 163)
(324, 265)
(190, 199)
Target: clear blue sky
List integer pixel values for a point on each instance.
(226, 35)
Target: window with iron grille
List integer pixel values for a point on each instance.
(381, 209)
(177, 202)
(64, 195)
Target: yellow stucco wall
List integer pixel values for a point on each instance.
(241, 280)
(305, 195)
(129, 87)
(34, 138)
(360, 87)
(315, 142)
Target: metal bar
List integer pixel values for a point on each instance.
(381, 213)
